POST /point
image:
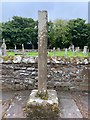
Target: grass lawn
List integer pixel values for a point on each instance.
(61, 53)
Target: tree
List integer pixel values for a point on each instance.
(19, 31)
(78, 32)
(88, 33)
(60, 33)
(51, 41)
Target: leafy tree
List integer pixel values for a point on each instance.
(51, 41)
(19, 31)
(78, 32)
(60, 33)
(88, 32)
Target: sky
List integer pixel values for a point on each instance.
(56, 10)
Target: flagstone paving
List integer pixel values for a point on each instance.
(72, 104)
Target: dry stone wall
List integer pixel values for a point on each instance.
(23, 76)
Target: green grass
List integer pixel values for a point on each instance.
(10, 53)
(69, 54)
(61, 53)
(32, 53)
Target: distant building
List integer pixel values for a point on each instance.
(89, 12)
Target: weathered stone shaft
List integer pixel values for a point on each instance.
(42, 51)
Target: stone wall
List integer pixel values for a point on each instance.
(60, 77)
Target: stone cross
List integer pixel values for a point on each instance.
(3, 47)
(42, 51)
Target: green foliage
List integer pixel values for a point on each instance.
(61, 33)
(78, 32)
(20, 31)
(88, 33)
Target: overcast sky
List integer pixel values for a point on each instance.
(56, 10)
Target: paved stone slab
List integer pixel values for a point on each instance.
(67, 104)
(84, 100)
(8, 95)
(15, 109)
(69, 109)
(0, 109)
(64, 95)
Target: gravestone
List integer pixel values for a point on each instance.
(66, 52)
(69, 48)
(42, 103)
(85, 50)
(15, 50)
(3, 47)
(77, 49)
(54, 51)
(73, 48)
(58, 49)
(23, 52)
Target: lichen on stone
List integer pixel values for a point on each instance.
(41, 95)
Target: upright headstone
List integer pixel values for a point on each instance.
(85, 50)
(15, 49)
(73, 48)
(66, 52)
(23, 52)
(77, 49)
(54, 51)
(42, 51)
(3, 47)
(69, 48)
(58, 49)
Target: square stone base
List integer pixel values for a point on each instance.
(39, 108)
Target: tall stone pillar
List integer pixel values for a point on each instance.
(42, 103)
(42, 51)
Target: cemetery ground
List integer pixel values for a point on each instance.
(73, 104)
(46, 103)
(56, 53)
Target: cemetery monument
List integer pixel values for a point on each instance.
(3, 47)
(85, 50)
(15, 49)
(23, 52)
(42, 102)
